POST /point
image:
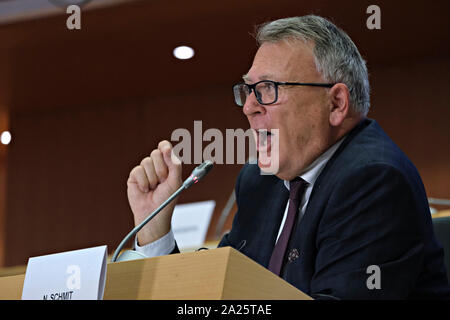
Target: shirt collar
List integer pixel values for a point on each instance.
(315, 168)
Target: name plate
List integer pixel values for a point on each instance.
(190, 223)
(72, 275)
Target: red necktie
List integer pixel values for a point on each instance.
(297, 188)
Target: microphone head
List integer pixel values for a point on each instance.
(198, 173)
(204, 168)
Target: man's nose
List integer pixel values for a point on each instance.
(252, 105)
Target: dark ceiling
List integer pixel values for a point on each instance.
(126, 50)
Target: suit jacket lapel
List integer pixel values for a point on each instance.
(316, 199)
(273, 208)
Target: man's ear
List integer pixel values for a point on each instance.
(340, 104)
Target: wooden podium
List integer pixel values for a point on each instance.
(215, 274)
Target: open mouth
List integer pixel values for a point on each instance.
(264, 139)
(267, 146)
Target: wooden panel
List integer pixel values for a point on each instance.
(87, 106)
(205, 275)
(3, 181)
(69, 168)
(410, 102)
(5, 84)
(11, 287)
(441, 214)
(244, 275)
(126, 51)
(198, 275)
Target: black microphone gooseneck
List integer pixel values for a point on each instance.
(197, 174)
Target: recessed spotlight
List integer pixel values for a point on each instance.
(183, 52)
(5, 137)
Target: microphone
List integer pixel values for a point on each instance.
(197, 174)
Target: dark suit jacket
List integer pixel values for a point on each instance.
(367, 207)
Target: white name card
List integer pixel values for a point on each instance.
(190, 223)
(72, 275)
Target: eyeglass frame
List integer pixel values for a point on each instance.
(251, 87)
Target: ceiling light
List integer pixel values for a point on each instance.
(5, 137)
(183, 52)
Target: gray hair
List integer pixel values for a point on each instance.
(336, 57)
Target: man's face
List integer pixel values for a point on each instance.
(301, 113)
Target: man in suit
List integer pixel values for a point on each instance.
(344, 202)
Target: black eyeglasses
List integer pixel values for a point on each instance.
(266, 91)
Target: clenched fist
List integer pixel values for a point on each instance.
(149, 185)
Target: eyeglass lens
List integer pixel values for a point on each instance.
(265, 92)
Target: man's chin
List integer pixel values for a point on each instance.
(268, 166)
(276, 168)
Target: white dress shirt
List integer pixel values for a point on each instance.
(166, 244)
